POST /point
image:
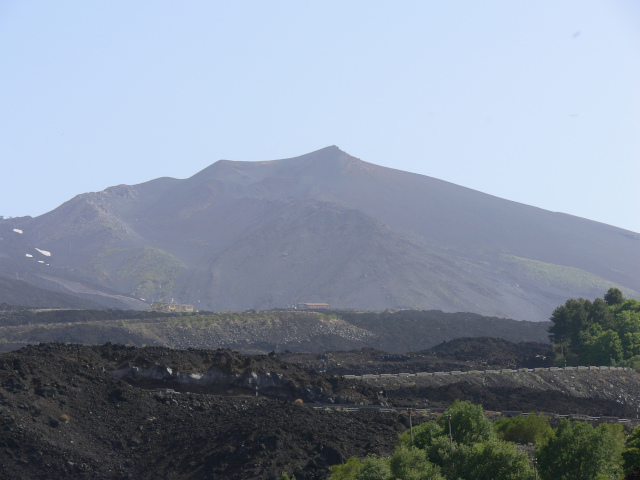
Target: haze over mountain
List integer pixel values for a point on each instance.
(322, 227)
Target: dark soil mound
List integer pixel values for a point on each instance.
(459, 354)
(415, 330)
(520, 399)
(116, 412)
(496, 351)
(63, 416)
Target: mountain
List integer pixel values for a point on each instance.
(322, 227)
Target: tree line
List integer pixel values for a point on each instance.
(602, 332)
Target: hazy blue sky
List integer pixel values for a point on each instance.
(537, 102)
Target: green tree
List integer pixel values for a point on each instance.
(627, 324)
(599, 332)
(375, 468)
(603, 348)
(631, 452)
(493, 460)
(347, 471)
(568, 321)
(601, 313)
(423, 435)
(440, 452)
(613, 296)
(629, 305)
(432, 438)
(468, 423)
(530, 429)
(580, 452)
(410, 463)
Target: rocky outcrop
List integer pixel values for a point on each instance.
(271, 384)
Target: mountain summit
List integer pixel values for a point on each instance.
(322, 227)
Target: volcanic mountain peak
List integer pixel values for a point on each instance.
(332, 228)
(324, 163)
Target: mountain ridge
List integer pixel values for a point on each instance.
(216, 222)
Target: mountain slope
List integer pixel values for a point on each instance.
(328, 227)
(16, 291)
(324, 252)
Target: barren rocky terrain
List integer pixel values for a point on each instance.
(63, 415)
(111, 411)
(585, 392)
(466, 353)
(478, 365)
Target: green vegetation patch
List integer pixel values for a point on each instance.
(463, 444)
(568, 278)
(268, 318)
(153, 272)
(603, 332)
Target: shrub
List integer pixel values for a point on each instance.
(374, 468)
(578, 451)
(423, 435)
(631, 452)
(491, 460)
(468, 423)
(410, 463)
(531, 429)
(346, 471)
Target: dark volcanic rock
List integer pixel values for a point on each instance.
(508, 398)
(496, 351)
(63, 416)
(593, 393)
(459, 354)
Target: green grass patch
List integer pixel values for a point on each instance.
(573, 279)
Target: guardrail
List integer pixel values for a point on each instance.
(370, 376)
